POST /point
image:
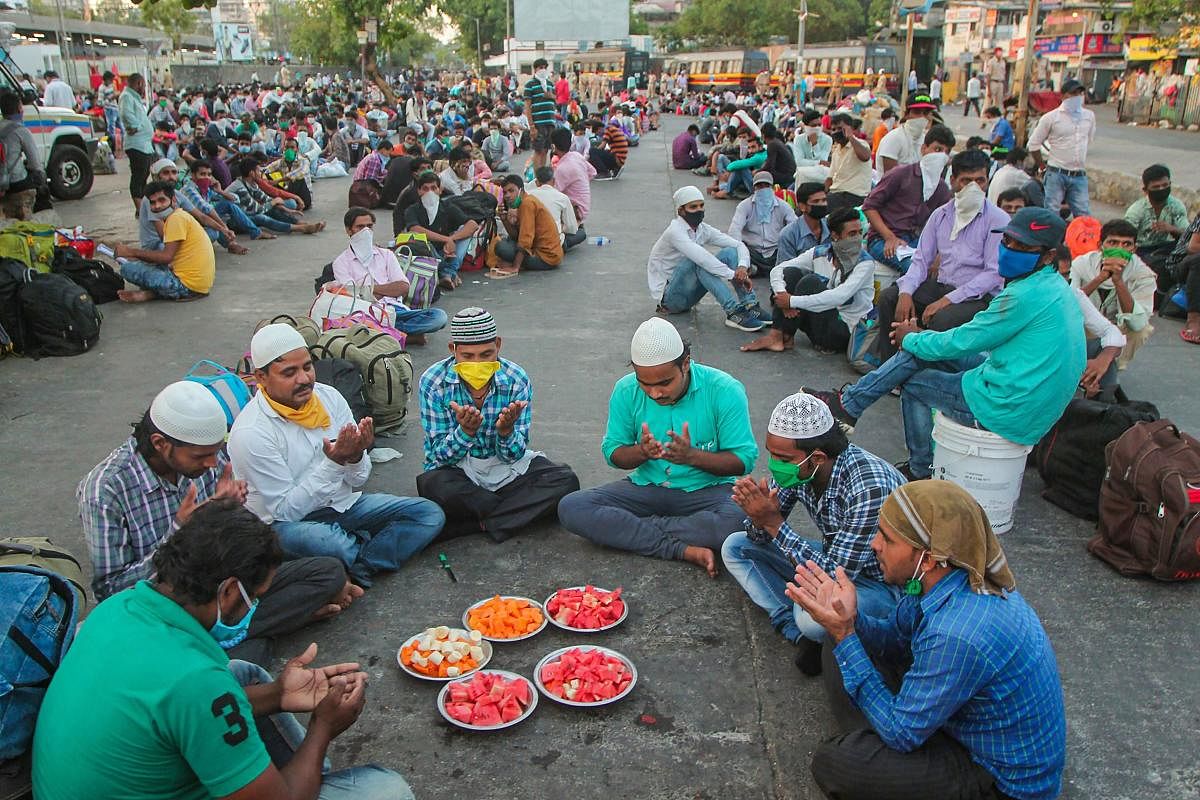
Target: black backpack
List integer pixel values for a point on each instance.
(1070, 457)
(13, 276)
(479, 206)
(344, 376)
(98, 279)
(60, 317)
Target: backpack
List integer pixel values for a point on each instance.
(227, 386)
(325, 277)
(365, 194)
(60, 317)
(31, 243)
(97, 278)
(309, 329)
(39, 608)
(1150, 504)
(12, 278)
(1070, 457)
(345, 377)
(387, 370)
(476, 205)
(422, 274)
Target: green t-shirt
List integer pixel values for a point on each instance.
(144, 707)
(718, 417)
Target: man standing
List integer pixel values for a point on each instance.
(994, 69)
(183, 269)
(304, 460)
(539, 110)
(759, 221)
(476, 413)
(139, 135)
(842, 487)
(974, 97)
(57, 93)
(810, 229)
(106, 96)
(1067, 132)
(849, 178)
(142, 493)
(681, 270)
(684, 430)
(562, 93)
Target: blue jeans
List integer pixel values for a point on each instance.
(690, 282)
(236, 219)
(271, 223)
(157, 278)
(112, 123)
(737, 178)
(421, 320)
(925, 391)
(448, 268)
(875, 245)
(896, 371)
(379, 532)
(764, 571)
(1072, 188)
(282, 734)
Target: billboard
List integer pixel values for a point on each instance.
(235, 42)
(589, 20)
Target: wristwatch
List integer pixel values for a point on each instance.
(754, 533)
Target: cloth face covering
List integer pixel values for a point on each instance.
(693, 218)
(362, 243)
(477, 373)
(431, 200)
(932, 167)
(1015, 263)
(764, 204)
(967, 205)
(845, 252)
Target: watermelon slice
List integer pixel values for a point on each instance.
(463, 712)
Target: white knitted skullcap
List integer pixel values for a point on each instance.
(188, 412)
(272, 341)
(687, 194)
(655, 342)
(800, 416)
(161, 164)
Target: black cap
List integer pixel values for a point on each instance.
(1039, 227)
(1070, 86)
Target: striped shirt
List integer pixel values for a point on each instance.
(846, 514)
(540, 97)
(982, 669)
(446, 444)
(128, 511)
(617, 141)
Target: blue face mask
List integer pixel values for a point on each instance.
(1016, 263)
(232, 635)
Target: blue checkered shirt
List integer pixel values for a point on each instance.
(846, 514)
(128, 511)
(982, 669)
(446, 444)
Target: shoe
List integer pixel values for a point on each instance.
(904, 469)
(763, 316)
(701, 171)
(808, 659)
(834, 401)
(746, 321)
(604, 176)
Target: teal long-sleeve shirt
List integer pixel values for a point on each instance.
(749, 162)
(1033, 334)
(718, 417)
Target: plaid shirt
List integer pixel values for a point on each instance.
(371, 168)
(846, 513)
(296, 171)
(982, 669)
(191, 191)
(445, 442)
(128, 511)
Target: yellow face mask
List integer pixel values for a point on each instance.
(477, 373)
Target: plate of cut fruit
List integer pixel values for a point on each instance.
(585, 676)
(505, 618)
(443, 653)
(586, 609)
(488, 700)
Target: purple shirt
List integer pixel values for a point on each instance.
(897, 198)
(684, 150)
(969, 263)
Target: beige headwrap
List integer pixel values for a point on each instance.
(941, 517)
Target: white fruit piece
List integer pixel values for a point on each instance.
(476, 637)
(452, 672)
(476, 653)
(441, 632)
(453, 658)
(435, 658)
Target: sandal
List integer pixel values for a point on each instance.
(502, 274)
(1191, 337)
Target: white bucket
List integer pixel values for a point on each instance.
(885, 276)
(988, 466)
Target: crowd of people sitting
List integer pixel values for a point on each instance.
(208, 540)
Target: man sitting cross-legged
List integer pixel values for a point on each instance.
(956, 693)
(185, 266)
(684, 430)
(475, 409)
(304, 460)
(842, 488)
(175, 462)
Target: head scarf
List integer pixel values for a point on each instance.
(941, 517)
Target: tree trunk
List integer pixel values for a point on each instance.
(371, 68)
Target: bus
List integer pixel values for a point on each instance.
(617, 63)
(719, 69)
(853, 59)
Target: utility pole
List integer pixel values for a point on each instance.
(801, 18)
(478, 48)
(908, 48)
(507, 35)
(1027, 71)
(64, 46)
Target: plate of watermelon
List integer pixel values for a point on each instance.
(586, 609)
(585, 676)
(488, 700)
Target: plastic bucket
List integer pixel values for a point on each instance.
(988, 466)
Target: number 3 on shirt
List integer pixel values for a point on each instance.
(226, 706)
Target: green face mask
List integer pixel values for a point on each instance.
(289, 155)
(788, 475)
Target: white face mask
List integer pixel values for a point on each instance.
(932, 167)
(812, 130)
(889, 123)
(916, 127)
(968, 202)
(430, 200)
(541, 75)
(362, 243)
(1073, 104)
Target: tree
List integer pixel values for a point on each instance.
(1165, 17)
(637, 25)
(747, 23)
(170, 17)
(463, 13)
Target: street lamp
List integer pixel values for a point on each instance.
(478, 48)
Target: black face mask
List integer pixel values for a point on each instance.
(839, 137)
(818, 211)
(693, 218)
(1159, 195)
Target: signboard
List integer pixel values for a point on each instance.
(1103, 44)
(535, 20)
(1143, 48)
(362, 37)
(372, 28)
(963, 14)
(1058, 45)
(234, 41)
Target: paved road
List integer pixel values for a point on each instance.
(732, 718)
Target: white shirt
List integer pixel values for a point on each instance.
(852, 295)
(284, 465)
(1139, 279)
(559, 206)
(1066, 138)
(1096, 324)
(58, 94)
(974, 87)
(678, 242)
(935, 89)
(745, 226)
(1007, 177)
(383, 268)
(896, 144)
(452, 184)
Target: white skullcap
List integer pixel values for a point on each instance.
(272, 341)
(655, 342)
(190, 413)
(687, 194)
(800, 416)
(161, 164)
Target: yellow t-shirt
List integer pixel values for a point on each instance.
(194, 264)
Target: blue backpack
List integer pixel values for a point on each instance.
(38, 613)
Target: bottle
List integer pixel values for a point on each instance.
(599, 241)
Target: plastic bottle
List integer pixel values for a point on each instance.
(599, 241)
